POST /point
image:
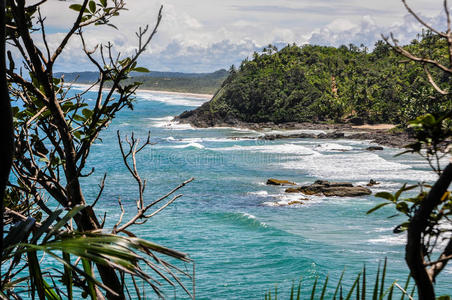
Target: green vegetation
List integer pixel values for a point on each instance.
(362, 288)
(50, 130)
(202, 83)
(320, 84)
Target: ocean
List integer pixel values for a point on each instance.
(241, 233)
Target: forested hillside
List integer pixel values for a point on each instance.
(325, 84)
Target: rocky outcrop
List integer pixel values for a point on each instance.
(374, 148)
(329, 189)
(273, 181)
(372, 183)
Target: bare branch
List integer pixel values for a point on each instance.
(446, 10)
(412, 57)
(440, 264)
(101, 189)
(74, 28)
(422, 21)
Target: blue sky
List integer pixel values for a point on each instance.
(206, 35)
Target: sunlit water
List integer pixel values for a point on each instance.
(241, 241)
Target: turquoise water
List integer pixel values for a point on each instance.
(241, 234)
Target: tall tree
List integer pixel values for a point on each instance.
(54, 131)
(6, 124)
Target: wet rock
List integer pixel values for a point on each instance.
(372, 183)
(273, 181)
(326, 188)
(271, 137)
(332, 135)
(374, 148)
(346, 191)
(295, 202)
(292, 190)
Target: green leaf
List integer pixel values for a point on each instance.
(78, 134)
(35, 274)
(385, 195)
(64, 221)
(87, 112)
(76, 7)
(383, 276)
(103, 3)
(50, 292)
(402, 227)
(377, 280)
(46, 225)
(402, 207)
(349, 295)
(67, 277)
(79, 118)
(399, 192)
(377, 207)
(324, 288)
(141, 70)
(87, 268)
(313, 288)
(44, 159)
(92, 6)
(338, 284)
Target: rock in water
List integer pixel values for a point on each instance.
(339, 189)
(299, 202)
(374, 148)
(372, 183)
(273, 181)
(292, 190)
(344, 191)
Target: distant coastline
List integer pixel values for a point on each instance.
(195, 95)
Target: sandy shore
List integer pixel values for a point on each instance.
(182, 94)
(376, 126)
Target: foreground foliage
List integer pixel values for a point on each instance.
(362, 288)
(44, 252)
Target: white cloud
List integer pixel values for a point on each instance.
(204, 35)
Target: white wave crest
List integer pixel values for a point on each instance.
(389, 239)
(332, 147)
(356, 166)
(172, 99)
(272, 148)
(168, 123)
(191, 145)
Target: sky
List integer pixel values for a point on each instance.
(207, 35)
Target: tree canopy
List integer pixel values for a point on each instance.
(320, 84)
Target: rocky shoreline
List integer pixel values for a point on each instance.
(381, 134)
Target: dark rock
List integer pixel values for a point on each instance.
(374, 148)
(273, 181)
(372, 183)
(272, 137)
(295, 202)
(292, 190)
(333, 184)
(339, 189)
(313, 189)
(343, 191)
(356, 121)
(321, 182)
(331, 135)
(340, 184)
